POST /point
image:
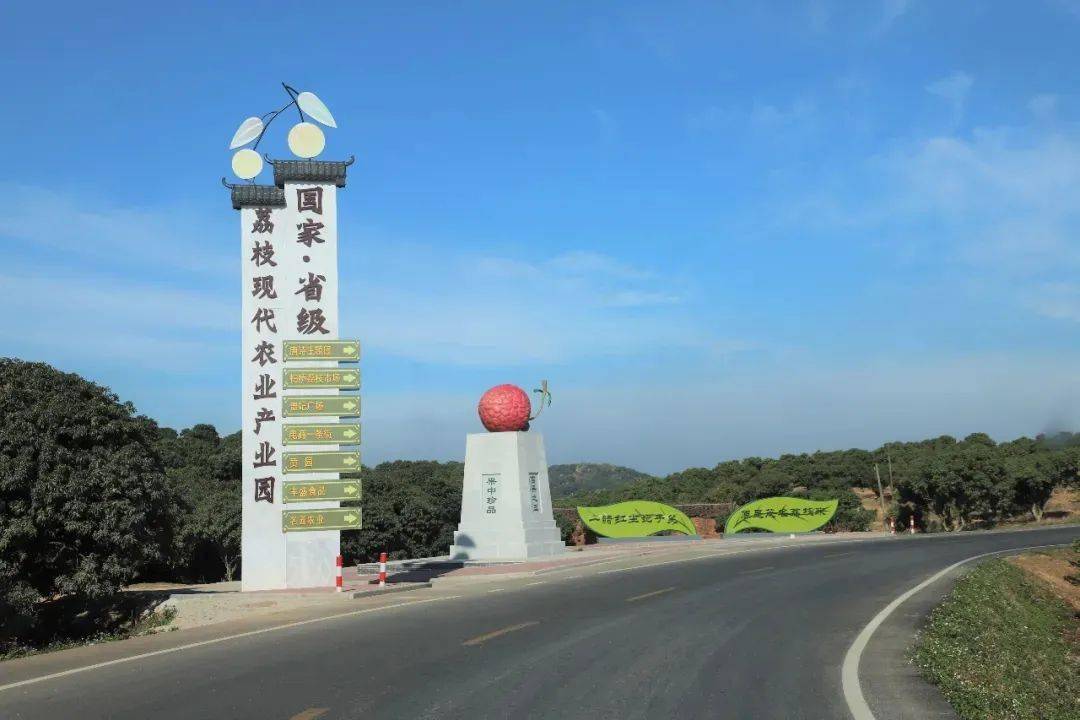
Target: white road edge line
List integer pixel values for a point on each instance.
(731, 551)
(849, 672)
(214, 641)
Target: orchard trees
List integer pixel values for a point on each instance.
(82, 497)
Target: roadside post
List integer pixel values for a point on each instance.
(382, 569)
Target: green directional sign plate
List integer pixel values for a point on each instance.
(297, 491)
(313, 462)
(332, 519)
(321, 378)
(316, 405)
(320, 434)
(340, 350)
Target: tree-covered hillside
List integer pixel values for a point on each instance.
(577, 478)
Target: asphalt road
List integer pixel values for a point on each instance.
(692, 634)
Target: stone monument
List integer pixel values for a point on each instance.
(506, 499)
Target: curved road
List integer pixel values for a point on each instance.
(716, 630)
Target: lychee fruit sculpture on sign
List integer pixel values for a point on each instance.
(506, 408)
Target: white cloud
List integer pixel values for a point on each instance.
(995, 211)
(893, 10)
(638, 298)
(584, 262)
(954, 89)
(1056, 300)
(100, 229)
(768, 116)
(1006, 199)
(605, 121)
(794, 117)
(1043, 106)
(449, 307)
(122, 272)
(818, 15)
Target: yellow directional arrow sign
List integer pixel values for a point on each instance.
(326, 405)
(312, 462)
(297, 491)
(331, 519)
(320, 434)
(320, 378)
(340, 350)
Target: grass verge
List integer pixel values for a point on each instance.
(148, 624)
(1003, 647)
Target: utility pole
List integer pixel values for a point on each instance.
(892, 486)
(881, 496)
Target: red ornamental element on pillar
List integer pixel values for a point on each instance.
(505, 408)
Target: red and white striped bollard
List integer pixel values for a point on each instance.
(892, 526)
(382, 569)
(911, 527)
(337, 580)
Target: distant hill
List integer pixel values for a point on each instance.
(585, 477)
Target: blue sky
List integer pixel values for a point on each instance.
(718, 229)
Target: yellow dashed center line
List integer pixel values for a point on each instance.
(650, 594)
(310, 714)
(480, 639)
(755, 570)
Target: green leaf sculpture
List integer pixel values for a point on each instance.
(635, 518)
(781, 515)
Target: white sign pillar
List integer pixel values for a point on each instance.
(290, 292)
(265, 320)
(506, 500)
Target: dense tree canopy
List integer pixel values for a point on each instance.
(203, 481)
(82, 496)
(411, 510)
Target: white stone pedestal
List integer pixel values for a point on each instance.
(506, 500)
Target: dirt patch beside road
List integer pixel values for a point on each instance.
(1051, 568)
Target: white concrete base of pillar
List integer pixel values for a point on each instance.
(506, 500)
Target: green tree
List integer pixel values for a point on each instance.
(203, 473)
(411, 510)
(961, 483)
(1036, 471)
(81, 492)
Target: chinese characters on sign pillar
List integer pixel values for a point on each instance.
(310, 256)
(263, 313)
(490, 487)
(534, 492)
(295, 391)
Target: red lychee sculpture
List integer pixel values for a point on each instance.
(505, 408)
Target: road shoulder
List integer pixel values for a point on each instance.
(891, 684)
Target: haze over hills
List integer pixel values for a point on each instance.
(574, 478)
